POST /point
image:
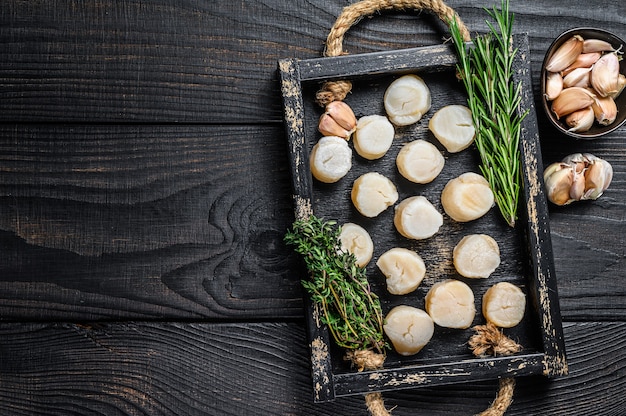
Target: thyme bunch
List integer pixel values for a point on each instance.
(487, 73)
(350, 310)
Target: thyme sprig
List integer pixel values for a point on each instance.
(487, 73)
(350, 309)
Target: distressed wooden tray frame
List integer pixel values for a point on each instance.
(542, 284)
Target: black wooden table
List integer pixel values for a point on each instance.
(144, 194)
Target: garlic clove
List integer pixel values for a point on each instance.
(584, 60)
(338, 120)
(577, 189)
(554, 85)
(579, 77)
(566, 54)
(605, 110)
(580, 121)
(558, 178)
(342, 114)
(621, 83)
(605, 75)
(596, 45)
(597, 178)
(570, 100)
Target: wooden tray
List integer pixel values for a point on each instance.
(526, 249)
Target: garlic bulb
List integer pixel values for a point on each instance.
(338, 120)
(577, 177)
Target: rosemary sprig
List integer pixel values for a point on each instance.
(350, 309)
(487, 73)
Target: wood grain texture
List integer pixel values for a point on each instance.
(146, 221)
(123, 196)
(170, 60)
(258, 369)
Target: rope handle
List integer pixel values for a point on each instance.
(337, 90)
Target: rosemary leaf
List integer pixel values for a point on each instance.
(487, 73)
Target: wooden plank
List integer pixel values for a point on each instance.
(165, 221)
(101, 222)
(209, 60)
(138, 368)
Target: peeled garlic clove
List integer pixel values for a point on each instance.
(604, 110)
(596, 45)
(406, 100)
(566, 54)
(417, 218)
(584, 60)
(409, 329)
(605, 75)
(330, 159)
(570, 100)
(338, 120)
(404, 270)
(451, 304)
(504, 305)
(579, 77)
(453, 126)
(598, 177)
(420, 161)
(476, 256)
(580, 121)
(372, 193)
(467, 197)
(356, 240)
(373, 136)
(554, 85)
(558, 178)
